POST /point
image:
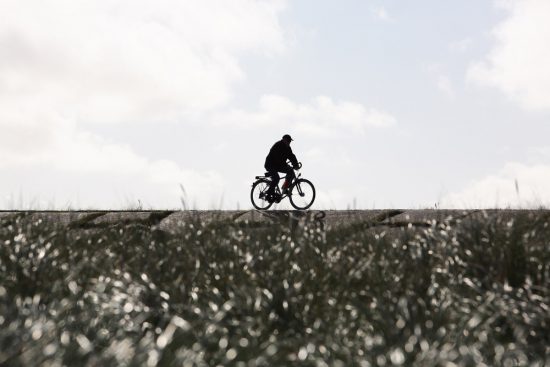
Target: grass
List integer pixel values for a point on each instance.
(467, 292)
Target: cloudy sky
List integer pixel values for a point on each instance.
(118, 104)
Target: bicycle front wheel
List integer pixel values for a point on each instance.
(302, 194)
(258, 195)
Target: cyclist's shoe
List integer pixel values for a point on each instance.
(270, 197)
(273, 198)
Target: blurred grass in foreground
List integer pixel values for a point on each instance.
(470, 292)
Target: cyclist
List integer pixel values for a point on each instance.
(275, 162)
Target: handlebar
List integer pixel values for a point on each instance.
(299, 164)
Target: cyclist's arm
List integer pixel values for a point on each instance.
(293, 159)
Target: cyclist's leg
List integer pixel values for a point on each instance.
(289, 176)
(274, 181)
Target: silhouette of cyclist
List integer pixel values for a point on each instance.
(275, 162)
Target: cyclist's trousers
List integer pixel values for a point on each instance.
(274, 173)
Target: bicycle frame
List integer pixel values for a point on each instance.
(277, 190)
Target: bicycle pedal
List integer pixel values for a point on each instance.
(270, 198)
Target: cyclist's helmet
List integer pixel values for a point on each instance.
(287, 137)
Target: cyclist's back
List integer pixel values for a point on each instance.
(279, 153)
(275, 162)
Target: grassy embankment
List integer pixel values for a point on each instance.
(470, 292)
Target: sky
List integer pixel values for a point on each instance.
(127, 104)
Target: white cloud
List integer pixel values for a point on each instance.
(518, 62)
(445, 85)
(80, 161)
(69, 63)
(353, 197)
(122, 61)
(382, 14)
(322, 116)
(499, 190)
(442, 80)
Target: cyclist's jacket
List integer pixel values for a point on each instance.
(278, 155)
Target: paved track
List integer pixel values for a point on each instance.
(168, 220)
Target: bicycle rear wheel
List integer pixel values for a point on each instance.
(258, 194)
(302, 194)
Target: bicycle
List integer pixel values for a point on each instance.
(301, 192)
